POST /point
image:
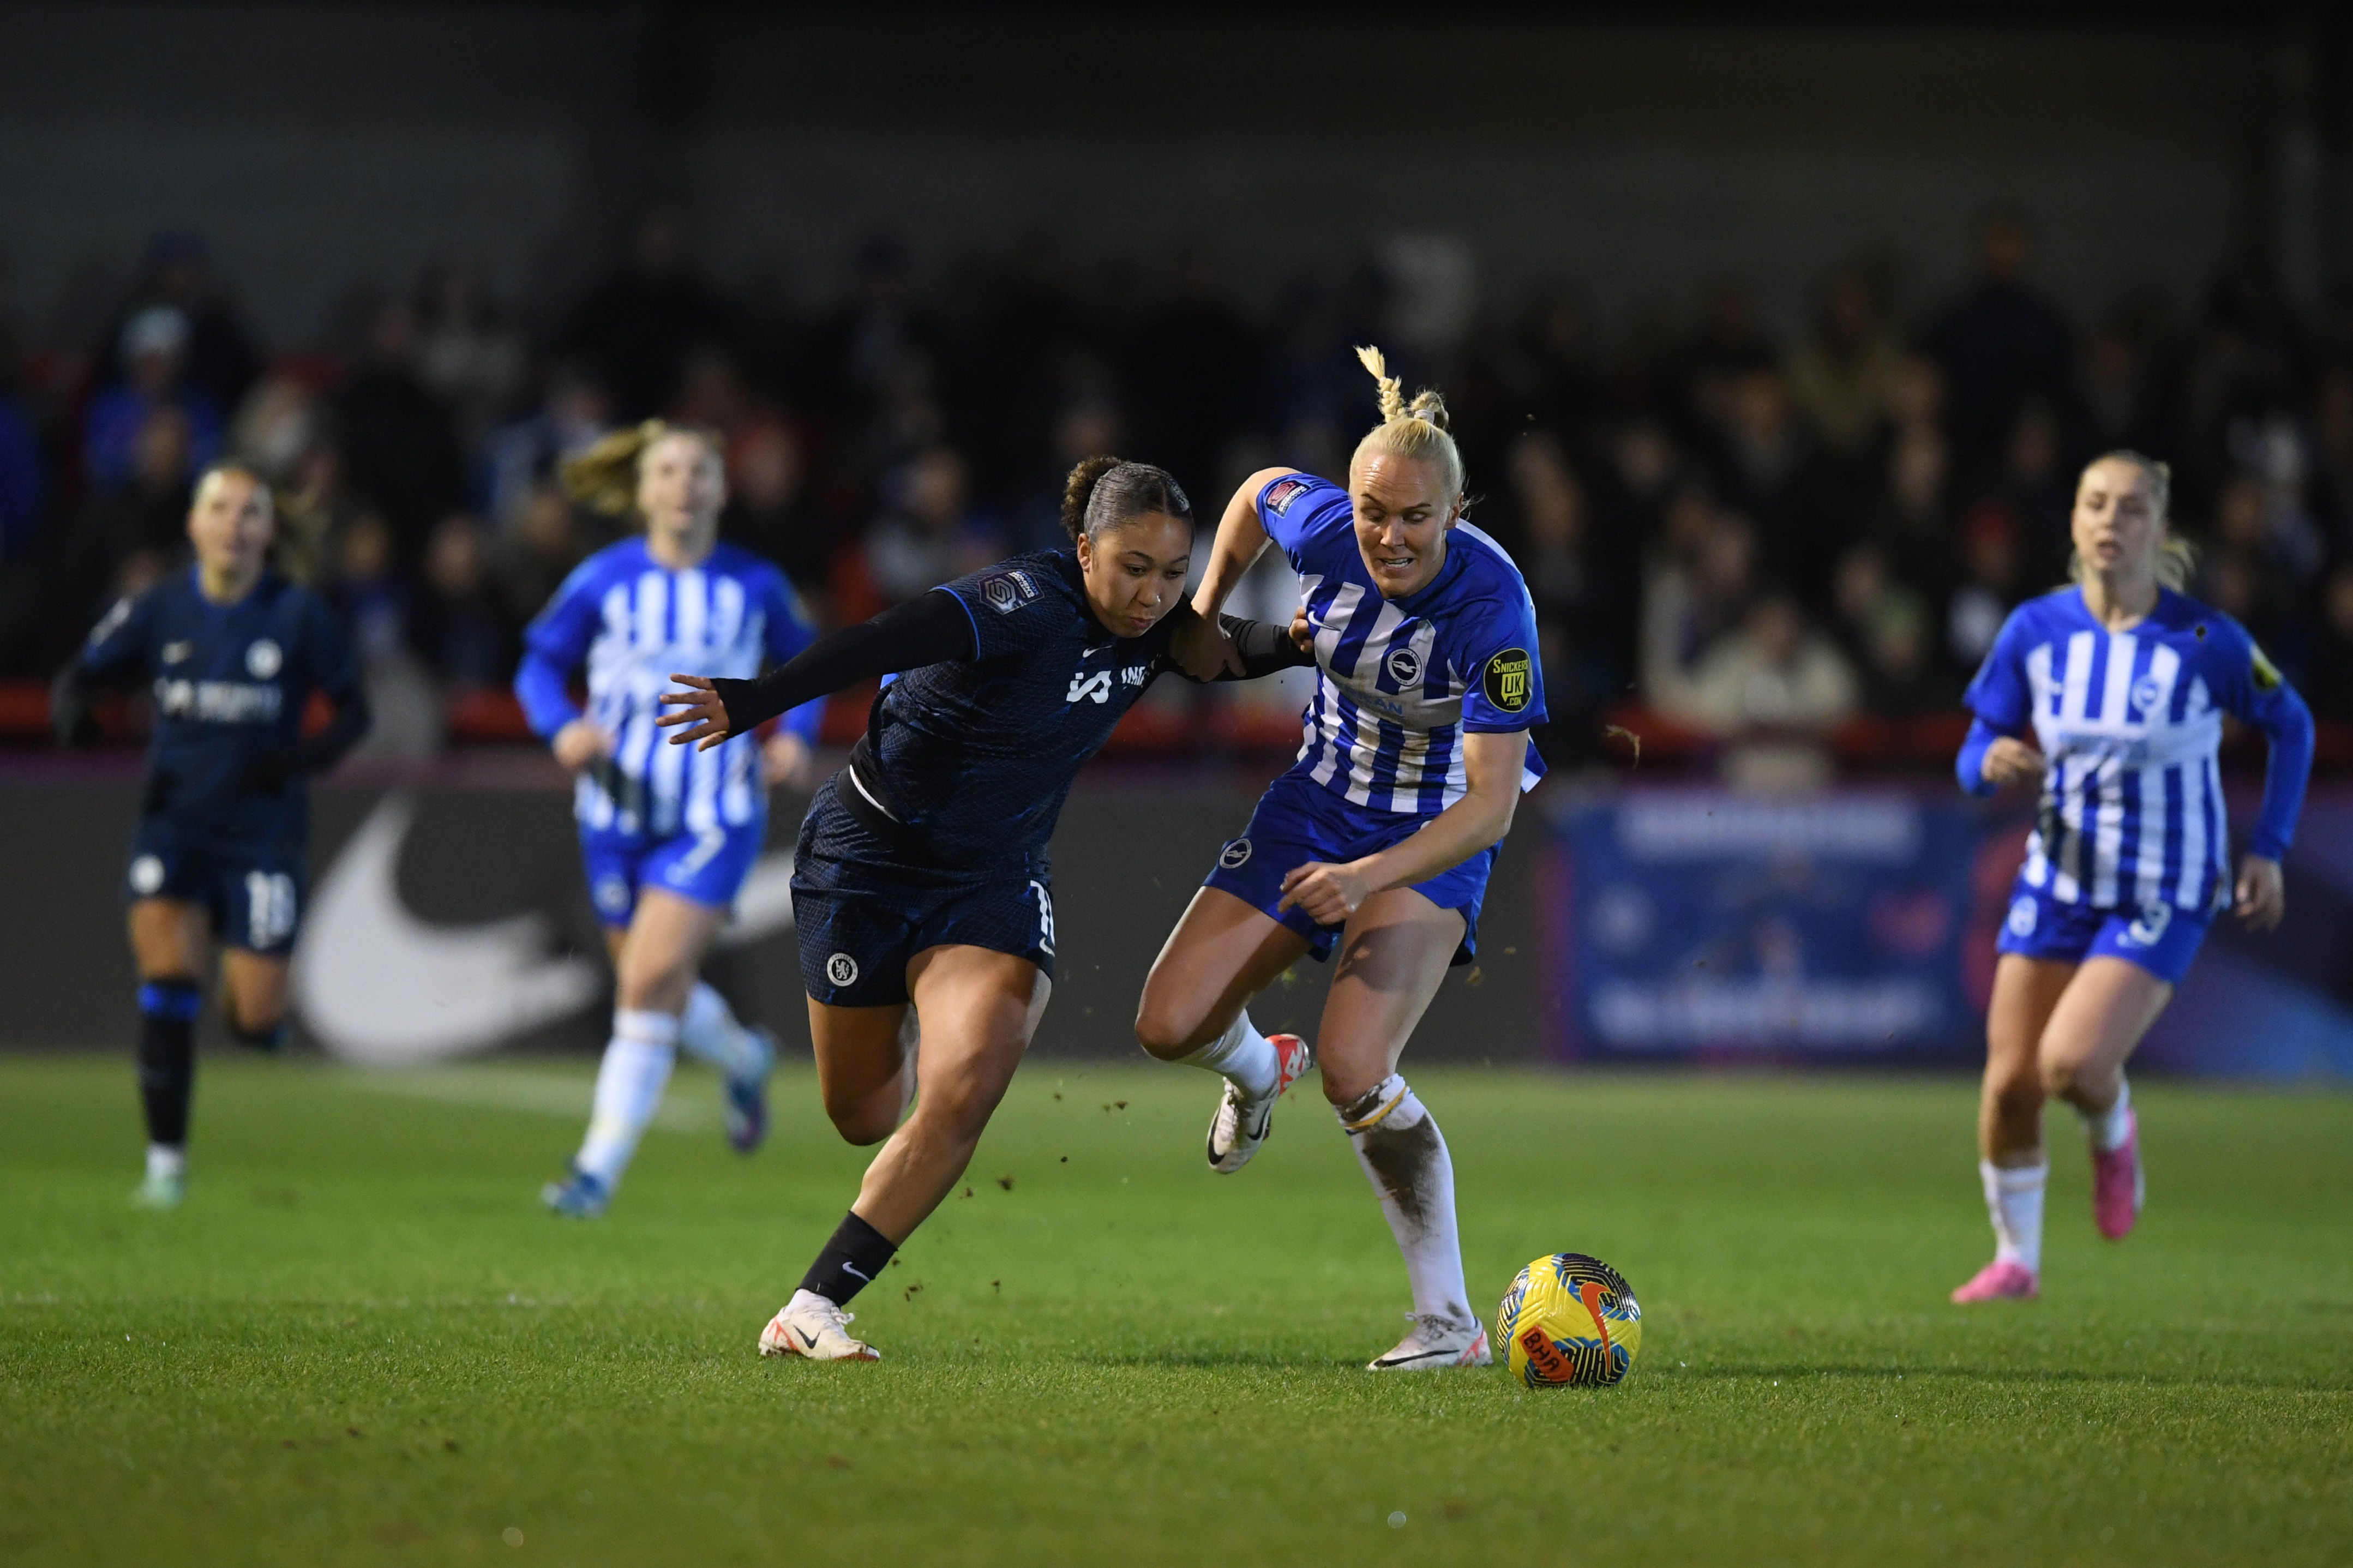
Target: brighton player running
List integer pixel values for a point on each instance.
(2112, 693)
(668, 838)
(1380, 837)
(234, 652)
(922, 873)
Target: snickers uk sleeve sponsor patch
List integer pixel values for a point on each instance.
(1510, 680)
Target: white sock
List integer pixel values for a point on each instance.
(1404, 1157)
(2013, 1197)
(1243, 1055)
(708, 1030)
(628, 1092)
(2110, 1128)
(165, 1162)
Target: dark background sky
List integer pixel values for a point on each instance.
(1643, 154)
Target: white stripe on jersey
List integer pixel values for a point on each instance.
(652, 624)
(2038, 680)
(1371, 730)
(2121, 766)
(2193, 836)
(1390, 743)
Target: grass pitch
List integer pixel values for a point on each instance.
(362, 1341)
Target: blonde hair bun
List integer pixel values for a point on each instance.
(1418, 429)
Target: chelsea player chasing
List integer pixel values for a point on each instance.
(667, 837)
(1380, 839)
(2111, 692)
(922, 874)
(234, 651)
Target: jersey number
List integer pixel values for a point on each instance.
(269, 908)
(1045, 917)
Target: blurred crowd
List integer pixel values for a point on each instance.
(1747, 535)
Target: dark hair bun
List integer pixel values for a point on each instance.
(1080, 489)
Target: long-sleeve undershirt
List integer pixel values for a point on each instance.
(934, 629)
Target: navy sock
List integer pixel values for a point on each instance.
(167, 1057)
(852, 1260)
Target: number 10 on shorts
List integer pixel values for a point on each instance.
(269, 908)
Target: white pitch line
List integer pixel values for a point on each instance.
(688, 1108)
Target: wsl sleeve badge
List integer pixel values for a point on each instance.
(1569, 1321)
(1008, 591)
(1281, 493)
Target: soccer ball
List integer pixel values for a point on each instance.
(1569, 1319)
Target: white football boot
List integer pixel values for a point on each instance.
(1435, 1345)
(813, 1327)
(1241, 1125)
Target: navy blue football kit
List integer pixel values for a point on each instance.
(224, 820)
(937, 832)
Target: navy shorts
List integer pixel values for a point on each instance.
(706, 867)
(2160, 938)
(1298, 821)
(255, 894)
(865, 908)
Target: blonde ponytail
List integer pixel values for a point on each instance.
(300, 536)
(604, 478)
(2177, 563)
(1417, 429)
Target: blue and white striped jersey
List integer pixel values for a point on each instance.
(2132, 814)
(1398, 681)
(633, 621)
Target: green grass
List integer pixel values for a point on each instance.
(362, 1341)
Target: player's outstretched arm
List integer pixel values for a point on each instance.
(1241, 539)
(934, 629)
(1492, 764)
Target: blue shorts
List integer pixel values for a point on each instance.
(1298, 820)
(2162, 939)
(706, 867)
(865, 908)
(255, 894)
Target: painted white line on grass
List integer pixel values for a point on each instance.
(689, 1108)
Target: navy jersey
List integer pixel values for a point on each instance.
(977, 756)
(1398, 681)
(231, 684)
(2132, 810)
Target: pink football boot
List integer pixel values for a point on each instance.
(2118, 1189)
(2000, 1281)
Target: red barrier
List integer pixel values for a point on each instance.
(493, 717)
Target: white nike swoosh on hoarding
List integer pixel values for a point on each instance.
(379, 986)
